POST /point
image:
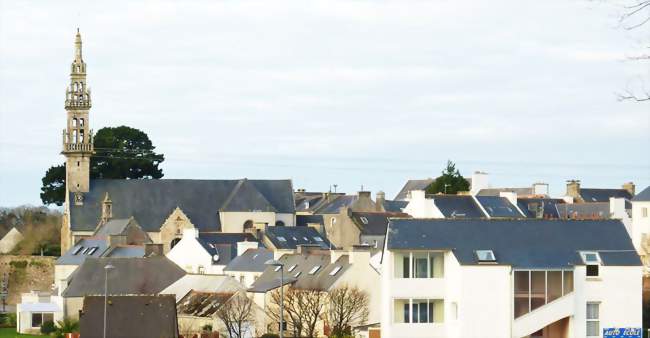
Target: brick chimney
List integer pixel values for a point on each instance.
(573, 189)
(380, 198)
(630, 187)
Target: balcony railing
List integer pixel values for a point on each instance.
(87, 147)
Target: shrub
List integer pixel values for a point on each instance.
(7, 320)
(207, 328)
(18, 264)
(48, 327)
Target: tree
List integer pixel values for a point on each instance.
(450, 182)
(237, 315)
(120, 152)
(303, 308)
(348, 306)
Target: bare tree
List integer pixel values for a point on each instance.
(636, 14)
(236, 315)
(303, 308)
(348, 306)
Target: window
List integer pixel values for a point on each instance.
(201, 269)
(418, 311)
(364, 220)
(297, 274)
(74, 122)
(533, 289)
(92, 250)
(592, 262)
(418, 265)
(644, 212)
(318, 239)
(241, 279)
(291, 268)
(39, 318)
(282, 239)
(277, 268)
(593, 322)
(335, 271)
(77, 250)
(485, 256)
(314, 269)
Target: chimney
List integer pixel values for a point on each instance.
(573, 189)
(364, 195)
(511, 196)
(479, 181)
(245, 245)
(540, 189)
(379, 200)
(629, 186)
(153, 249)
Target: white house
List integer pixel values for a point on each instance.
(248, 266)
(641, 223)
(509, 278)
(36, 308)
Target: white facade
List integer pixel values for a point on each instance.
(640, 222)
(191, 256)
(35, 308)
(479, 300)
(421, 207)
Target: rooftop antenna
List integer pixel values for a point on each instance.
(335, 186)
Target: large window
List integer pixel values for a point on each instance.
(418, 265)
(39, 318)
(418, 311)
(593, 320)
(533, 289)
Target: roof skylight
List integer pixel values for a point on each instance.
(364, 220)
(291, 268)
(314, 269)
(335, 271)
(590, 257)
(485, 256)
(77, 250)
(318, 239)
(282, 239)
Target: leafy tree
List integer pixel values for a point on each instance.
(120, 152)
(450, 182)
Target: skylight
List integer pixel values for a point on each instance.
(76, 251)
(335, 271)
(277, 268)
(485, 256)
(92, 250)
(318, 239)
(590, 257)
(282, 239)
(314, 269)
(364, 220)
(86, 251)
(293, 267)
(297, 274)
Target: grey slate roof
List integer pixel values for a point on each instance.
(498, 191)
(374, 223)
(152, 201)
(603, 195)
(113, 227)
(497, 206)
(284, 237)
(310, 201)
(252, 260)
(590, 210)
(125, 251)
(457, 206)
(78, 253)
(395, 206)
(304, 220)
(549, 205)
(334, 206)
(202, 304)
(521, 243)
(131, 276)
(643, 196)
(411, 185)
(202, 283)
(143, 316)
(299, 276)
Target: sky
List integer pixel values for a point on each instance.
(347, 93)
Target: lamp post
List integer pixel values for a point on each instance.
(447, 185)
(107, 268)
(273, 262)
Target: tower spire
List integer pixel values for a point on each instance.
(77, 47)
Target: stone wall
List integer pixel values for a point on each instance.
(26, 273)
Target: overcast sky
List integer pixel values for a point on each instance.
(333, 92)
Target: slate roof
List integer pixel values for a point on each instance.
(224, 244)
(498, 191)
(411, 185)
(334, 206)
(202, 283)
(603, 195)
(113, 227)
(284, 237)
(78, 253)
(310, 201)
(299, 276)
(457, 206)
(131, 276)
(522, 243)
(304, 220)
(395, 206)
(589, 210)
(152, 201)
(529, 205)
(143, 316)
(202, 304)
(497, 206)
(125, 251)
(374, 223)
(643, 196)
(252, 260)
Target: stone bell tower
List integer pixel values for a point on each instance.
(77, 137)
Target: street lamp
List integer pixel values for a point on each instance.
(447, 185)
(273, 262)
(107, 268)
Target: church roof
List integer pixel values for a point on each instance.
(152, 201)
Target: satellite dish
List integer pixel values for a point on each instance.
(215, 258)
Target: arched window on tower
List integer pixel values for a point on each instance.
(74, 86)
(81, 122)
(74, 122)
(78, 69)
(81, 136)
(74, 136)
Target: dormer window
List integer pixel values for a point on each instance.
(485, 256)
(314, 269)
(364, 220)
(592, 262)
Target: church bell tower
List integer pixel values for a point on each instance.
(77, 137)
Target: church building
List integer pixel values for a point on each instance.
(161, 207)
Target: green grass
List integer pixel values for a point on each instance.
(11, 333)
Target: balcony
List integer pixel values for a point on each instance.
(77, 147)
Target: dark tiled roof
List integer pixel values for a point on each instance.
(304, 220)
(590, 210)
(299, 276)
(643, 196)
(130, 276)
(529, 206)
(413, 185)
(497, 206)
(224, 244)
(202, 304)
(284, 237)
(457, 206)
(498, 191)
(374, 223)
(152, 201)
(603, 195)
(82, 250)
(252, 260)
(144, 316)
(113, 227)
(310, 201)
(521, 243)
(395, 206)
(334, 206)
